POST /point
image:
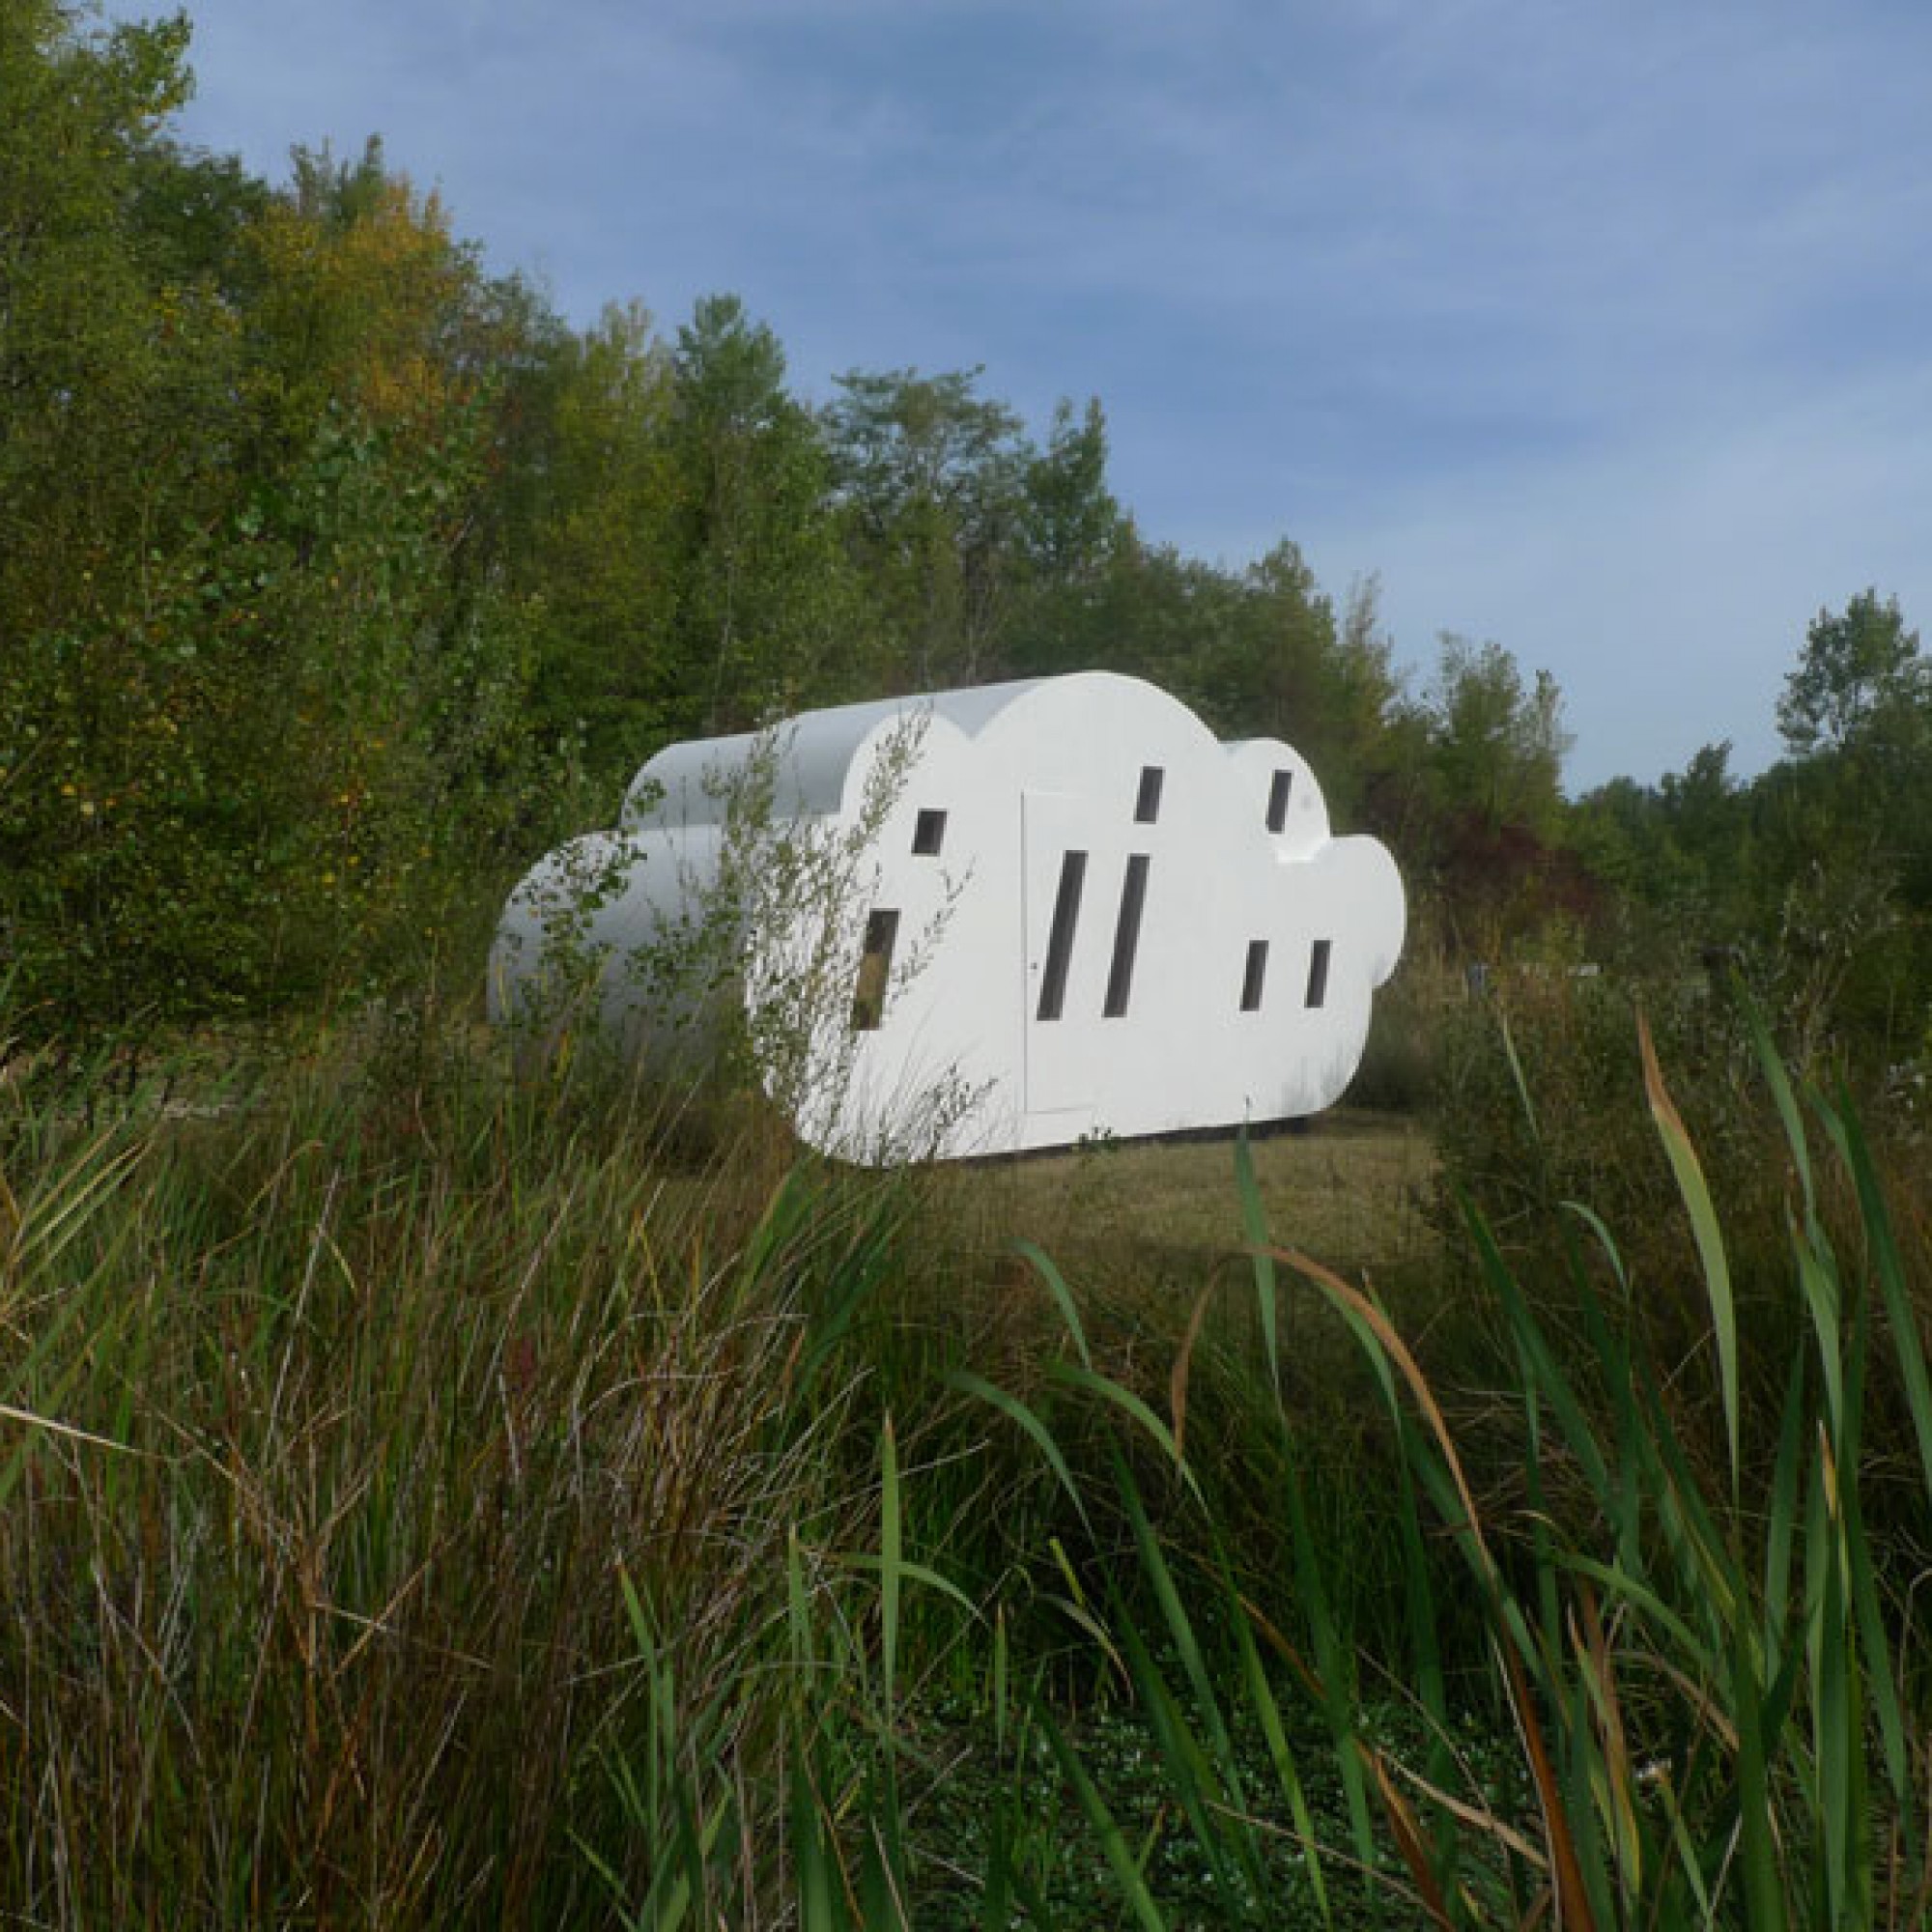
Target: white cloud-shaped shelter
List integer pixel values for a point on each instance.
(1063, 900)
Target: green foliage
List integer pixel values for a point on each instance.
(1496, 744)
(1540, 1103)
(262, 778)
(436, 1499)
(1704, 1659)
(432, 1501)
(86, 327)
(769, 620)
(1859, 682)
(1816, 875)
(341, 1475)
(1070, 518)
(261, 690)
(930, 479)
(592, 551)
(338, 576)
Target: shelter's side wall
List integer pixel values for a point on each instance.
(600, 925)
(1285, 793)
(1183, 878)
(1077, 909)
(947, 1026)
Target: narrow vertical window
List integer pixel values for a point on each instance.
(929, 834)
(1126, 937)
(1279, 788)
(1147, 802)
(1060, 939)
(1317, 972)
(875, 967)
(1254, 975)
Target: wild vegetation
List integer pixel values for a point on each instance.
(437, 1495)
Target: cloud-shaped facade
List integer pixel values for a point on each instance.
(984, 920)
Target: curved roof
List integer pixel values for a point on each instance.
(690, 783)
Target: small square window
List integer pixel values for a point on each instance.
(929, 834)
(1146, 803)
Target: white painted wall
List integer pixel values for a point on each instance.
(1024, 774)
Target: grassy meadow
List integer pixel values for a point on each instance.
(433, 1497)
(436, 1493)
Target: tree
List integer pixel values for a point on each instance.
(931, 478)
(119, 365)
(765, 618)
(1069, 519)
(1859, 677)
(596, 562)
(1679, 855)
(1496, 744)
(101, 363)
(1060, 615)
(1844, 831)
(1857, 715)
(1492, 748)
(258, 699)
(369, 304)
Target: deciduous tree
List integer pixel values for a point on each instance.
(767, 617)
(931, 478)
(1860, 677)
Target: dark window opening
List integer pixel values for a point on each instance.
(1279, 789)
(1317, 972)
(1126, 937)
(929, 834)
(1060, 939)
(1254, 975)
(1146, 803)
(875, 967)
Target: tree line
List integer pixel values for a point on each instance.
(338, 576)
(1814, 878)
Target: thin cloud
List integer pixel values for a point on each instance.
(1556, 317)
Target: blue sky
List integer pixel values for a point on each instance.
(1602, 331)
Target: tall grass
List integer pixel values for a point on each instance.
(353, 1439)
(430, 1499)
(1718, 1709)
